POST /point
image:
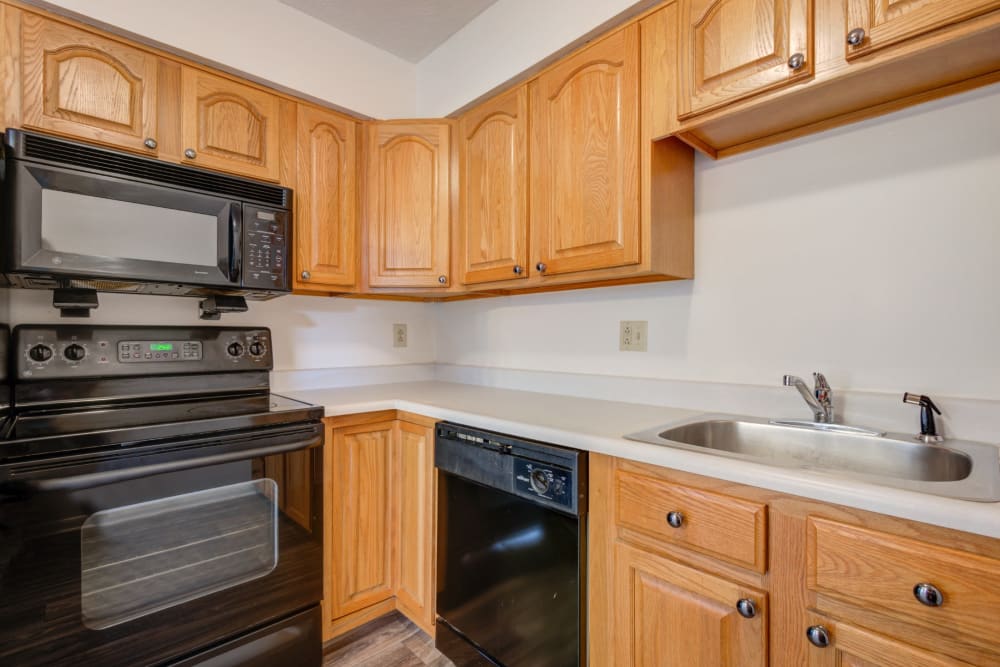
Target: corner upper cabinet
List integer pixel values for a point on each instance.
(407, 212)
(78, 84)
(732, 49)
(228, 126)
(493, 157)
(325, 200)
(585, 162)
(875, 24)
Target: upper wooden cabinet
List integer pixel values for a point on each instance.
(76, 83)
(493, 154)
(325, 200)
(585, 163)
(228, 126)
(875, 24)
(407, 210)
(732, 49)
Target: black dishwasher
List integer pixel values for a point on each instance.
(511, 550)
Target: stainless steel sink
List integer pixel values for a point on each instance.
(954, 468)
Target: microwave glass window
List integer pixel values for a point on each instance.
(147, 557)
(98, 227)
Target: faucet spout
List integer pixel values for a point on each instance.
(818, 399)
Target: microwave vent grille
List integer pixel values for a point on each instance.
(44, 148)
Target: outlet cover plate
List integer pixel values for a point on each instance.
(399, 335)
(632, 336)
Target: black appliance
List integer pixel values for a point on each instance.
(142, 510)
(512, 535)
(81, 217)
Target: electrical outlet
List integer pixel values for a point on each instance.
(399, 335)
(632, 337)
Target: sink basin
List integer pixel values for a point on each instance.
(958, 469)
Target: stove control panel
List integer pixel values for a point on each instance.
(47, 352)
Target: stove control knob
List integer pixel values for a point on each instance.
(539, 482)
(75, 352)
(256, 349)
(40, 353)
(234, 349)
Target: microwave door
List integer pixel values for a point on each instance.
(90, 225)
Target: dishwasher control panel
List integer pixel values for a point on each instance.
(545, 481)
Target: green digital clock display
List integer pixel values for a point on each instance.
(161, 347)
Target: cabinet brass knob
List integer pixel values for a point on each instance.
(746, 607)
(796, 61)
(150, 143)
(818, 636)
(675, 519)
(856, 37)
(928, 594)
(190, 153)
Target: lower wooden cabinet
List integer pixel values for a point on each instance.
(380, 500)
(671, 615)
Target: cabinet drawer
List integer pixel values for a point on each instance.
(877, 571)
(727, 528)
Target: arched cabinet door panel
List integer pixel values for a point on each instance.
(888, 22)
(78, 84)
(228, 126)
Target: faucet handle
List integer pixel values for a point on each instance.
(822, 391)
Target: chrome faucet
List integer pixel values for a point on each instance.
(820, 399)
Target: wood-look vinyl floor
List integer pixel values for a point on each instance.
(389, 641)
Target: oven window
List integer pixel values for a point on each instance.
(143, 558)
(99, 227)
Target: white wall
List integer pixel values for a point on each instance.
(273, 42)
(869, 252)
(509, 37)
(308, 332)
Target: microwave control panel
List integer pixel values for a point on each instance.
(265, 248)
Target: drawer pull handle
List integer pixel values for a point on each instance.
(928, 594)
(818, 636)
(746, 608)
(675, 519)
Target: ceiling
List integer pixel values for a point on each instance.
(408, 28)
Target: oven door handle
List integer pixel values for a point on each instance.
(89, 480)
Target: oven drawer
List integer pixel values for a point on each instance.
(724, 527)
(870, 570)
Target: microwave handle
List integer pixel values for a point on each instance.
(235, 242)
(90, 480)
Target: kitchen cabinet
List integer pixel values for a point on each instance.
(873, 25)
(584, 159)
(680, 616)
(82, 85)
(493, 177)
(732, 49)
(326, 226)
(229, 126)
(360, 567)
(408, 204)
(381, 500)
(837, 644)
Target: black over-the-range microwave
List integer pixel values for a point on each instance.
(79, 216)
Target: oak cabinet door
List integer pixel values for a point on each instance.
(888, 22)
(493, 146)
(584, 164)
(676, 616)
(850, 646)
(361, 517)
(415, 567)
(408, 209)
(76, 83)
(228, 126)
(732, 49)
(325, 200)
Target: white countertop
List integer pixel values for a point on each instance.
(599, 426)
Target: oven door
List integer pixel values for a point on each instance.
(150, 556)
(67, 222)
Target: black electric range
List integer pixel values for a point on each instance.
(142, 501)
